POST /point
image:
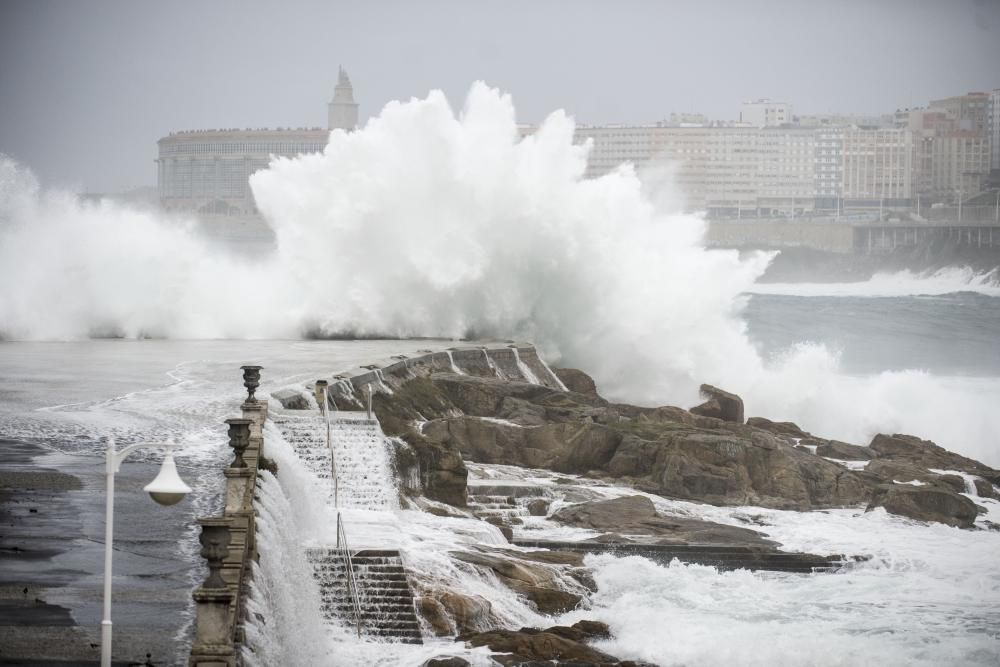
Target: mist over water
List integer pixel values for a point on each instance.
(429, 222)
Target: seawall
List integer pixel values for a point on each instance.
(228, 544)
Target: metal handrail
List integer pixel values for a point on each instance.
(329, 446)
(352, 582)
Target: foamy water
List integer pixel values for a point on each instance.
(899, 284)
(436, 222)
(929, 595)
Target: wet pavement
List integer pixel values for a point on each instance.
(52, 562)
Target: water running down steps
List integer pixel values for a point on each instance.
(385, 597)
(359, 451)
(355, 472)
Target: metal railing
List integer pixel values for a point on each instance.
(352, 582)
(329, 445)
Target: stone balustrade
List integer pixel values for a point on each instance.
(229, 542)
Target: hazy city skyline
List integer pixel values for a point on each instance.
(88, 88)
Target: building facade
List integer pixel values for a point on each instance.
(876, 167)
(970, 111)
(765, 113)
(994, 129)
(208, 171)
(960, 165)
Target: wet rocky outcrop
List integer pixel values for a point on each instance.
(577, 381)
(291, 399)
(505, 407)
(910, 476)
(449, 613)
(664, 450)
(542, 581)
(563, 645)
(721, 404)
(834, 449)
(926, 503)
(926, 454)
(636, 515)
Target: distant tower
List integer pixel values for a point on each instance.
(343, 110)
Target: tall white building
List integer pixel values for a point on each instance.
(877, 165)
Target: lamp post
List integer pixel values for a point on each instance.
(167, 489)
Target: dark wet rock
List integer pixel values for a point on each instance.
(925, 503)
(564, 447)
(636, 515)
(984, 489)
(434, 613)
(550, 557)
(558, 645)
(663, 450)
(577, 381)
(536, 581)
(903, 471)
(834, 449)
(446, 661)
(721, 404)
(550, 600)
(530, 644)
(538, 507)
(730, 468)
(789, 429)
(449, 613)
(291, 399)
(521, 412)
(926, 454)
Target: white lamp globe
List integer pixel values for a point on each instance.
(168, 488)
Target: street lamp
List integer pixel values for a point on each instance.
(167, 489)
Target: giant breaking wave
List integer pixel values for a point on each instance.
(428, 222)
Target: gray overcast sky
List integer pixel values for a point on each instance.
(86, 88)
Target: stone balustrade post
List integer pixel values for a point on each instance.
(213, 643)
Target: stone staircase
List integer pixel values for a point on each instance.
(364, 481)
(364, 469)
(501, 511)
(384, 594)
(503, 505)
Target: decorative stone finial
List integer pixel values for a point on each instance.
(251, 380)
(239, 439)
(214, 540)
